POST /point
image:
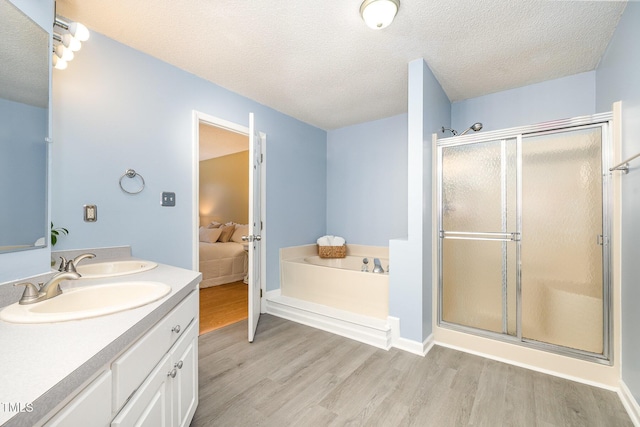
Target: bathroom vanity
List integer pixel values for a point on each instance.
(138, 366)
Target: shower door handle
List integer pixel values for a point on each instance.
(471, 235)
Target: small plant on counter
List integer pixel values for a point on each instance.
(55, 232)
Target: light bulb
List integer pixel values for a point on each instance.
(70, 42)
(59, 63)
(64, 53)
(79, 31)
(378, 14)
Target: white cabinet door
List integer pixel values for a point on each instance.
(185, 383)
(91, 407)
(150, 405)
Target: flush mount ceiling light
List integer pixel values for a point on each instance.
(378, 14)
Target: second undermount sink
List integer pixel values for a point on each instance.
(114, 268)
(86, 302)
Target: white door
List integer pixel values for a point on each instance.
(255, 225)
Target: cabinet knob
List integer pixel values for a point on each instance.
(172, 373)
(176, 329)
(178, 365)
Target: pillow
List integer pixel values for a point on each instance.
(241, 230)
(214, 224)
(209, 235)
(226, 233)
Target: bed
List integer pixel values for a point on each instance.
(223, 258)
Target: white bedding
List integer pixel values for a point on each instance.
(222, 263)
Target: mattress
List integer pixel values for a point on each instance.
(222, 263)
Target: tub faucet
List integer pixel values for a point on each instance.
(33, 293)
(365, 265)
(377, 267)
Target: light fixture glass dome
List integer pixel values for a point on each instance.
(378, 14)
(59, 63)
(63, 52)
(71, 42)
(79, 31)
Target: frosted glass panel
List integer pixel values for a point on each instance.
(471, 187)
(561, 259)
(472, 283)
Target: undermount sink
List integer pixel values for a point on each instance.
(113, 268)
(86, 302)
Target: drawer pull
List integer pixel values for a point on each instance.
(172, 373)
(178, 365)
(176, 329)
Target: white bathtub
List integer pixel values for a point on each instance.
(350, 262)
(337, 283)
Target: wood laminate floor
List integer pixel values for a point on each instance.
(294, 375)
(223, 305)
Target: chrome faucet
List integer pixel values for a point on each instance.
(377, 267)
(33, 293)
(72, 263)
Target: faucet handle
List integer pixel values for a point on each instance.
(63, 264)
(30, 291)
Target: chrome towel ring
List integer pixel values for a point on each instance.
(130, 173)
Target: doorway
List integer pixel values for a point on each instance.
(223, 205)
(524, 231)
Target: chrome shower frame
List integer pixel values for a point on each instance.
(602, 120)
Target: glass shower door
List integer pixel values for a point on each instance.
(523, 247)
(477, 235)
(563, 238)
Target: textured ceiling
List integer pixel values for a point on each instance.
(317, 61)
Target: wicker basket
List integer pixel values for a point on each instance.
(332, 251)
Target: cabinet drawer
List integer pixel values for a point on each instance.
(130, 369)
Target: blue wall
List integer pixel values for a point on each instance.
(23, 129)
(366, 188)
(562, 98)
(618, 79)
(116, 108)
(410, 285)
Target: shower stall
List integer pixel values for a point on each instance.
(523, 248)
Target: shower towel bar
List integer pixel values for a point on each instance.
(623, 166)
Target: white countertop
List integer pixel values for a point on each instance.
(42, 363)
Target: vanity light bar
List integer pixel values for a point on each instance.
(67, 42)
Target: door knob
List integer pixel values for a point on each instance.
(258, 237)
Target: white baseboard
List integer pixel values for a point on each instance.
(630, 404)
(368, 330)
(404, 344)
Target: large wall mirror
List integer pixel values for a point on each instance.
(24, 116)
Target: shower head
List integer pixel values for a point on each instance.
(474, 127)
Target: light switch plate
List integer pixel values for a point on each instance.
(90, 213)
(168, 198)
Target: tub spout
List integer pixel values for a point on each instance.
(377, 267)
